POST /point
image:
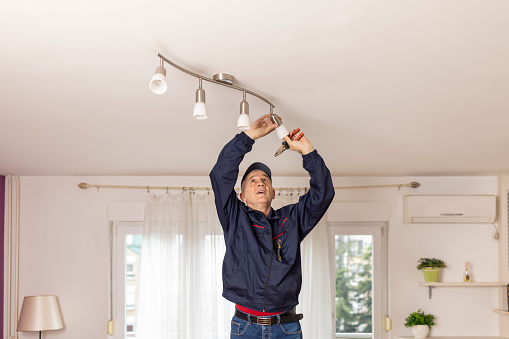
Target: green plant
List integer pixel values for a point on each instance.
(430, 262)
(419, 318)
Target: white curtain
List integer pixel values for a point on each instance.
(181, 282)
(315, 299)
(180, 286)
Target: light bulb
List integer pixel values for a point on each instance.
(158, 81)
(244, 122)
(282, 132)
(200, 110)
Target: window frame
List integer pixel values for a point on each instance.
(119, 255)
(378, 230)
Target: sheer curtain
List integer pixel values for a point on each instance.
(315, 299)
(180, 286)
(180, 293)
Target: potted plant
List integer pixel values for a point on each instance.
(420, 323)
(431, 268)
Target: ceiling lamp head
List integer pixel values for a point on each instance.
(244, 122)
(158, 81)
(200, 109)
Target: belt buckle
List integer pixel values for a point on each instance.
(264, 321)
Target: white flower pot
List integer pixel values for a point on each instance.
(420, 331)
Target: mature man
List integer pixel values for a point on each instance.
(262, 265)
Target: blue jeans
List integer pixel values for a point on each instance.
(251, 330)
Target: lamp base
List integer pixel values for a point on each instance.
(224, 77)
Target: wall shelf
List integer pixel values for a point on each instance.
(432, 285)
(503, 312)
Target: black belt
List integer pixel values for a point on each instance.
(287, 317)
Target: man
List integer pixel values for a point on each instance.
(262, 264)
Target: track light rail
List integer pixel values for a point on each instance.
(214, 81)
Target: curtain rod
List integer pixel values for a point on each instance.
(84, 185)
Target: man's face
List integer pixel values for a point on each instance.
(257, 189)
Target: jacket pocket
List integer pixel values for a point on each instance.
(286, 246)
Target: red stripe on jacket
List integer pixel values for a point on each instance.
(277, 235)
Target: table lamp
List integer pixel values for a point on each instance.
(40, 313)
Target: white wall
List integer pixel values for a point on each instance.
(64, 249)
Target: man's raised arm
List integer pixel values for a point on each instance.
(226, 170)
(313, 205)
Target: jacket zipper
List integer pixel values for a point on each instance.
(279, 250)
(267, 282)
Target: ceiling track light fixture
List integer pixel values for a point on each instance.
(158, 86)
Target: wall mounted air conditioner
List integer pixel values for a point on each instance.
(449, 208)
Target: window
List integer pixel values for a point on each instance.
(126, 245)
(132, 258)
(358, 279)
(130, 324)
(130, 297)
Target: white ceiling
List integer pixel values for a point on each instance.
(389, 88)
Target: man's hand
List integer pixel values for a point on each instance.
(261, 127)
(303, 146)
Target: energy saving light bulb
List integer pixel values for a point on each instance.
(282, 132)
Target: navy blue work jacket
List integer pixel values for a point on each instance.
(262, 263)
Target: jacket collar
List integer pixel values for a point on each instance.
(272, 214)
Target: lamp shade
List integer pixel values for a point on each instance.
(200, 111)
(40, 313)
(243, 122)
(158, 82)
